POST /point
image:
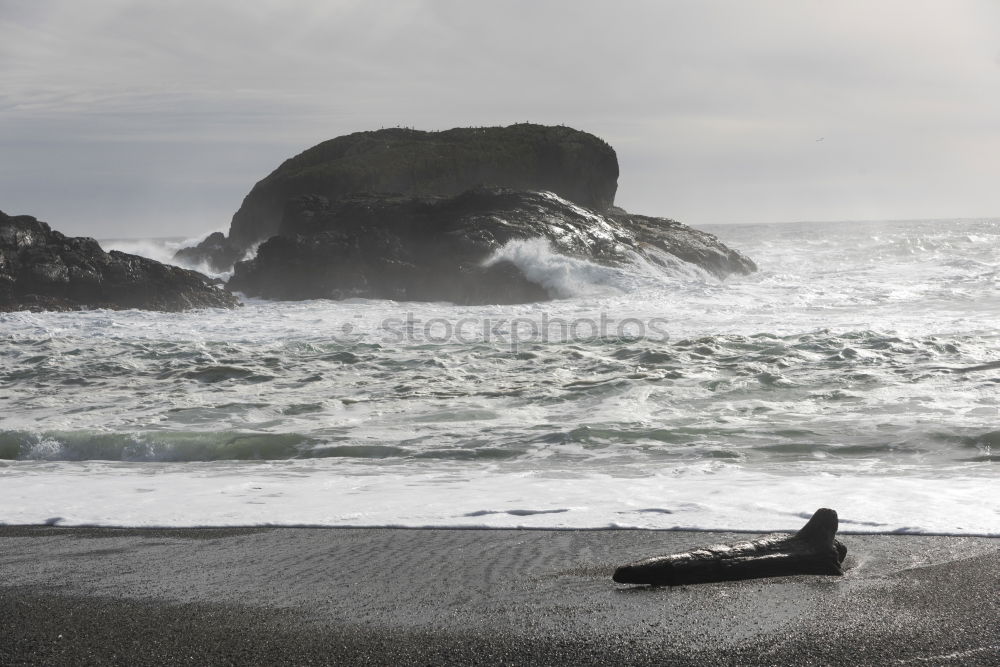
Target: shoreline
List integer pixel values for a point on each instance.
(438, 493)
(259, 595)
(8, 529)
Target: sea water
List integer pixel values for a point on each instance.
(859, 369)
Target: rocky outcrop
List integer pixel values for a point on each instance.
(685, 243)
(575, 165)
(411, 215)
(41, 269)
(439, 248)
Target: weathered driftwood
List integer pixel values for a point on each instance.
(812, 550)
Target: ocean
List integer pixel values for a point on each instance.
(859, 369)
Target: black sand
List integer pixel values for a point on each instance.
(73, 596)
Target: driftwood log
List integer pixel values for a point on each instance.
(812, 550)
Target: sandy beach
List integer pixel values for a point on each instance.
(402, 596)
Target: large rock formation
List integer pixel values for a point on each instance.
(573, 164)
(437, 248)
(41, 269)
(404, 214)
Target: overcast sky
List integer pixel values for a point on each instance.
(135, 118)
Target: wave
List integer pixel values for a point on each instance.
(167, 446)
(163, 250)
(159, 249)
(565, 277)
(562, 276)
(203, 446)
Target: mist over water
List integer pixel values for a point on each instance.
(858, 369)
(163, 249)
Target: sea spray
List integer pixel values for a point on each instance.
(563, 277)
(164, 249)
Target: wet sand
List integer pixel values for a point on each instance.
(73, 596)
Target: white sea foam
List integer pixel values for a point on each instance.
(857, 369)
(563, 277)
(163, 250)
(320, 493)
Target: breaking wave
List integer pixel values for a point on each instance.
(204, 446)
(565, 277)
(163, 250)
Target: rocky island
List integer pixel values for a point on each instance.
(41, 269)
(570, 163)
(440, 248)
(411, 215)
(390, 214)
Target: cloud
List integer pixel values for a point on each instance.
(714, 106)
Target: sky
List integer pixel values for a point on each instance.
(127, 118)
